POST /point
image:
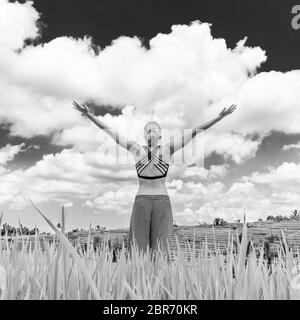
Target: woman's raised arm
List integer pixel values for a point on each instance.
(128, 144)
(187, 137)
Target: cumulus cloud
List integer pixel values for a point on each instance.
(202, 173)
(204, 203)
(61, 177)
(291, 146)
(185, 77)
(285, 176)
(17, 23)
(271, 101)
(184, 73)
(8, 152)
(232, 146)
(119, 201)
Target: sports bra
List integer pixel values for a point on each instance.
(151, 157)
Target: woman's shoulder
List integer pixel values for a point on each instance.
(165, 152)
(138, 150)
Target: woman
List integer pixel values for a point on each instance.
(151, 220)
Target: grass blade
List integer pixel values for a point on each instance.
(73, 252)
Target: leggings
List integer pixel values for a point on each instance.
(151, 222)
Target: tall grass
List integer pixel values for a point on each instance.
(68, 272)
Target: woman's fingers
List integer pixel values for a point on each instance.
(87, 108)
(77, 108)
(222, 112)
(231, 109)
(228, 110)
(76, 104)
(83, 109)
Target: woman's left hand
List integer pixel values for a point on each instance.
(83, 109)
(226, 111)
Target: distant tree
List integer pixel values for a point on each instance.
(281, 218)
(99, 228)
(295, 215)
(219, 222)
(260, 220)
(12, 231)
(32, 232)
(270, 218)
(216, 221)
(277, 218)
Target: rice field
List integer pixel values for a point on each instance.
(65, 271)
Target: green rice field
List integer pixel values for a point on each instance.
(212, 268)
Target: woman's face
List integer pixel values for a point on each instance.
(152, 134)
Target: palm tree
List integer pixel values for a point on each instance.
(295, 215)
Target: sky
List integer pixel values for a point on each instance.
(179, 63)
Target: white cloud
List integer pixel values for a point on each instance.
(196, 202)
(182, 74)
(285, 197)
(270, 101)
(241, 187)
(8, 152)
(291, 146)
(285, 176)
(68, 204)
(219, 170)
(119, 201)
(17, 23)
(199, 172)
(62, 177)
(233, 146)
(187, 214)
(202, 173)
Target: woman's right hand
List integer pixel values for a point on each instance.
(83, 109)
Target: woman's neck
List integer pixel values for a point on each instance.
(152, 146)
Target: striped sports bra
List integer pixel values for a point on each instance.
(151, 157)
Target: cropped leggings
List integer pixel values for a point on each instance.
(151, 222)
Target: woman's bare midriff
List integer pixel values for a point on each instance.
(152, 187)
